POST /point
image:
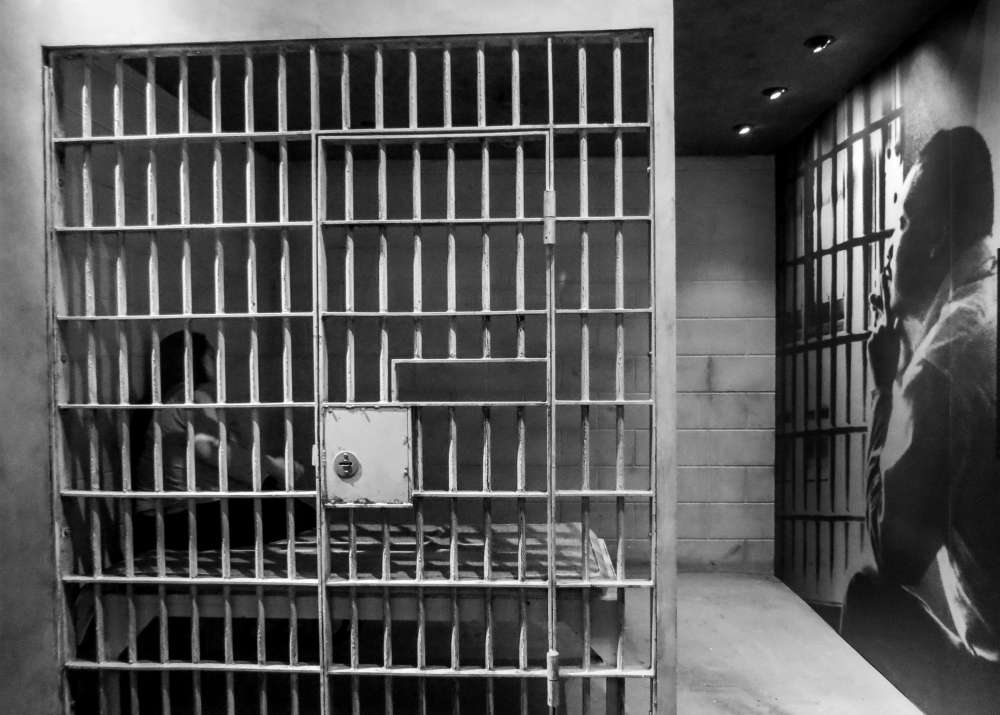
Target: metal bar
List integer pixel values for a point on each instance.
(383, 279)
(863, 240)
(550, 432)
(446, 83)
(358, 135)
(345, 88)
(349, 271)
(320, 392)
(160, 317)
(412, 86)
(369, 670)
(481, 84)
(180, 494)
(396, 584)
(379, 88)
(233, 225)
(283, 91)
(515, 83)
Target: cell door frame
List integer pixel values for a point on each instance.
(659, 498)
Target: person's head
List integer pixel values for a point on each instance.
(945, 207)
(172, 359)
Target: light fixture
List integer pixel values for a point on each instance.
(743, 129)
(819, 42)
(773, 93)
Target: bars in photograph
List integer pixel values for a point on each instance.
(840, 182)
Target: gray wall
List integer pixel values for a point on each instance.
(29, 676)
(725, 363)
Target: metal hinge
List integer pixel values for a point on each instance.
(552, 677)
(549, 218)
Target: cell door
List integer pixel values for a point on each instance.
(354, 376)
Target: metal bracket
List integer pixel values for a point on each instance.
(549, 218)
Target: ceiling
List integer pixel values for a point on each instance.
(728, 51)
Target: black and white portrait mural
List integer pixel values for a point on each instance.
(888, 448)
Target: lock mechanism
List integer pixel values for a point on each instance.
(346, 464)
(366, 457)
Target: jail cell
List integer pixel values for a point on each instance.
(840, 188)
(352, 388)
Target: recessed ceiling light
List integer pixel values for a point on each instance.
(743, 129)
(773, 93)
(819, 42)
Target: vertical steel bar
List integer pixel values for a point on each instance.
(481, 84)
(90, 299)
(349, 269)
(345, 88)
(121, 299)
(412, 86)
(451, 268)
(485, 263)
(584, 331)
(550, 432)
(318, 177)
(515, 84)
(183, 124)
(379, 88)
(383, 279)
(619, 346)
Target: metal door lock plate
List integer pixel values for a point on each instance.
(346, 464)
(367, 456)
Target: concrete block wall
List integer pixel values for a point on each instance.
(725, 363)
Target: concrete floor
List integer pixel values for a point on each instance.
(748, 645)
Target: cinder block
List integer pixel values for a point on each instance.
(711, 484)
(602, 447)
(743, 447)
(759, 333)
(710, 555)
(726, 555)
(636, 477)
(637, 525)
(712, 259)
(759, 556)
(642, 382)
(711, 336)
(710, 448)
(759, 484)
(725, 298)
(725, 373)
(694, 447)
(728, 409)
(730, 225)
(729, 185)
(642, 448)
(725, 521)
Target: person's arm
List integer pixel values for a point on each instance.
(907, 479)
(239, 459)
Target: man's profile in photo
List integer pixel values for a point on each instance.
(929, 616)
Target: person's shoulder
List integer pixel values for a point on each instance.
(961, 347)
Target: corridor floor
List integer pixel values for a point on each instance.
(748, 645)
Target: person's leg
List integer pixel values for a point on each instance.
(890, 627)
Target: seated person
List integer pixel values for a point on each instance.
(239, 461)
